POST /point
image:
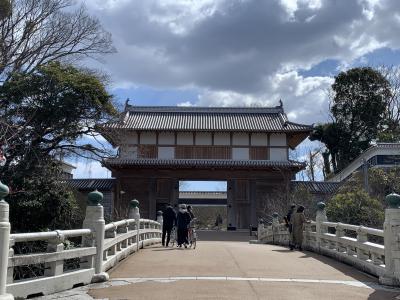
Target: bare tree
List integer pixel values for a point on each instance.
(35, 32)
(392, 74)
(312, 156)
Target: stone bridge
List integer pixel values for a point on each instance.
(340, 261)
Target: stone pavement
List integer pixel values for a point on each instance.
(231, 269)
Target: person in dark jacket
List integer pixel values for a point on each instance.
(169, 220)
(190, 211)
(289, 224)
(182, 223)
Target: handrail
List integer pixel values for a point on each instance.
(360, 252)
(48, 235)
(114, 247)
(357, 228)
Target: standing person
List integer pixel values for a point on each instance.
(298, 220)
(218, 221)
(289, 224)
(190, 211)
(182, 222)
(169, 220)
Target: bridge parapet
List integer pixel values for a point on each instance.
(72, 257)
(372, 250)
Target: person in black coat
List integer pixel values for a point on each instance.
(182, 222)
(169, 220)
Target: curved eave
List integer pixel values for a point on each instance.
(201, 164)
(295, 138)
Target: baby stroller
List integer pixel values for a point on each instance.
(174, 236)
(192, 234)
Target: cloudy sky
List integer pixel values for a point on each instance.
(242, 52)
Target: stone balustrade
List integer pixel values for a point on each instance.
(371, 250)
(72, 257)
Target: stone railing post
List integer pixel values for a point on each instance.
(5, 229)
(339, 234)
(10, 270)
(110, 234)
(160, 217)
(362, 237)
(320, 218)
(260, 229)
(275, 227)
(135, 214)
(123, 229)
(94, 220)
(56, 267)
(391, 229)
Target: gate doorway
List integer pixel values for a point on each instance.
(209, 202)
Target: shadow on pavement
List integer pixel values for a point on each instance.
(383, 295)
(165, 249)
(224, 236)
(379, 294)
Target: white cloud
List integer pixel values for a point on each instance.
(305, 98)
(187, 103)
(90, 169)
(244, 52)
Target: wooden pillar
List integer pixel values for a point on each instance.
(174, 192)
(253, 203)
(231, 205)
(152, 198)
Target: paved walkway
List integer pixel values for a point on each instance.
(237, 270)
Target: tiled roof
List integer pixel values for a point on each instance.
(202, 195)
(319, 187)
(203, 163)
(176, 118)
(104, 184)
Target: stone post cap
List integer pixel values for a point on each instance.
(393, 200)
(275, 215)
(134, 203)
(95, 198)
(321, 205)
(4, 191)
(159, 213)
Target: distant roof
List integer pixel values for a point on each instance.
(202, 195)
(203, 163)
(101, 184)
(317, 187)
(177, 118)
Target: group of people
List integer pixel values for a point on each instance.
(295, 220)
(181, 219)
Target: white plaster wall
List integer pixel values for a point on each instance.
(278, 154)
(278, 139)
(222, 138)
(240, 139)
(259, 139)
(148, 138)
(128, 151)
(166, 152)
(240, 153)
(203, 138)
(166, 138)
(184, 138)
